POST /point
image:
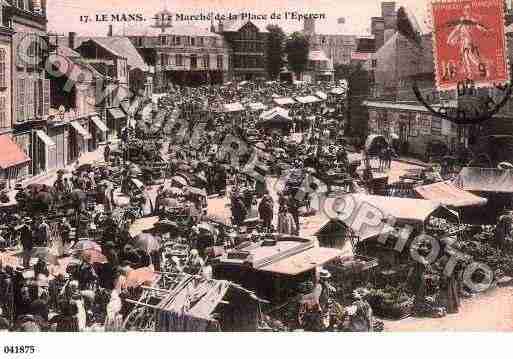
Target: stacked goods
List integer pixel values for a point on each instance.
(390, 302)
(498, 260)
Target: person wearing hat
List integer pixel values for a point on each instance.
(27, 240)
(361, 313)
(503, 230)
(309, 309)
(239, 210)
(266, 211)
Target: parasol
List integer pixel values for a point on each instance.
(93, 256)
(505, 166)
(86, 244)
(148, 242)
(175, 190)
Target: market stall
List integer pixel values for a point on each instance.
(491, 183)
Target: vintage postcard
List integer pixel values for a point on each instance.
(264, 166)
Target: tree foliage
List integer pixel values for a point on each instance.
(275, 50)
(358, 83)
(297, 48)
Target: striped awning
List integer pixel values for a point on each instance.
(81, 131)
(99, 123)
(45, 138)
(11, 155)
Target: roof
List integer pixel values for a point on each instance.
(307, 99)
(303, 261)
(177, 30)
(381, 208)
(236, 25)
(284, 100)
(397, 106)
(485, 180)
(121, 47)
(255, 106)
(274, 112)
(233, 107)
(11, 155)
(449, 195)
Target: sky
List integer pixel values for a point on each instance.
(64, 15)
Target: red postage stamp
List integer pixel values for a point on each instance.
(469, 43)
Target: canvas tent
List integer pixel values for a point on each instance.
(449, 195)
(282, 101)
(478, 179)
(233, 107)
(199, 304)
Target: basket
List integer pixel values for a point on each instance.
(397, 311)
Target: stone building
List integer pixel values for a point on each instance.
(181, 54)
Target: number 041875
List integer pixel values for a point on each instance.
(19, 349)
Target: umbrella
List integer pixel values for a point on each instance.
(94, 256)
(260, 145)
(141, 276)
(147, 242)
(505, 166)
(310, 170)
(179, 180)
(86, 244)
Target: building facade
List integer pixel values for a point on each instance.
(181, 54)
(30, 86)
(248, 43)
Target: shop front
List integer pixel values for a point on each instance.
(77, 140)
(13, 161)
(98, 130)
(58, 133)
(116, 120)
(45, 151)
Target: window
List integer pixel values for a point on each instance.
(162, 59)
(162, 40)
(29, 98)
(201, 41)
(206, 61)
(20, 101)
(193, 41)
(3, 113)
(436, 126)
(3, 57)
(194, 61)
(374, 64)
(46, 96)
(177, 40)
(179, 60)
(220, 64)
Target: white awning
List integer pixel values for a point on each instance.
(81, 131)
(99, 123)
(44, 137)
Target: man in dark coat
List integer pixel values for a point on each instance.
(106, 153)
(266, 211)
(239, 210)
(27, 241)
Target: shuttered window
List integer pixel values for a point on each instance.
(29, 96)
(3, 58)
(46, 97)
(20, 101)
(4, 123)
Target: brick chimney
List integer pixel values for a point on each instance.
(110, 32)
(71, 39)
